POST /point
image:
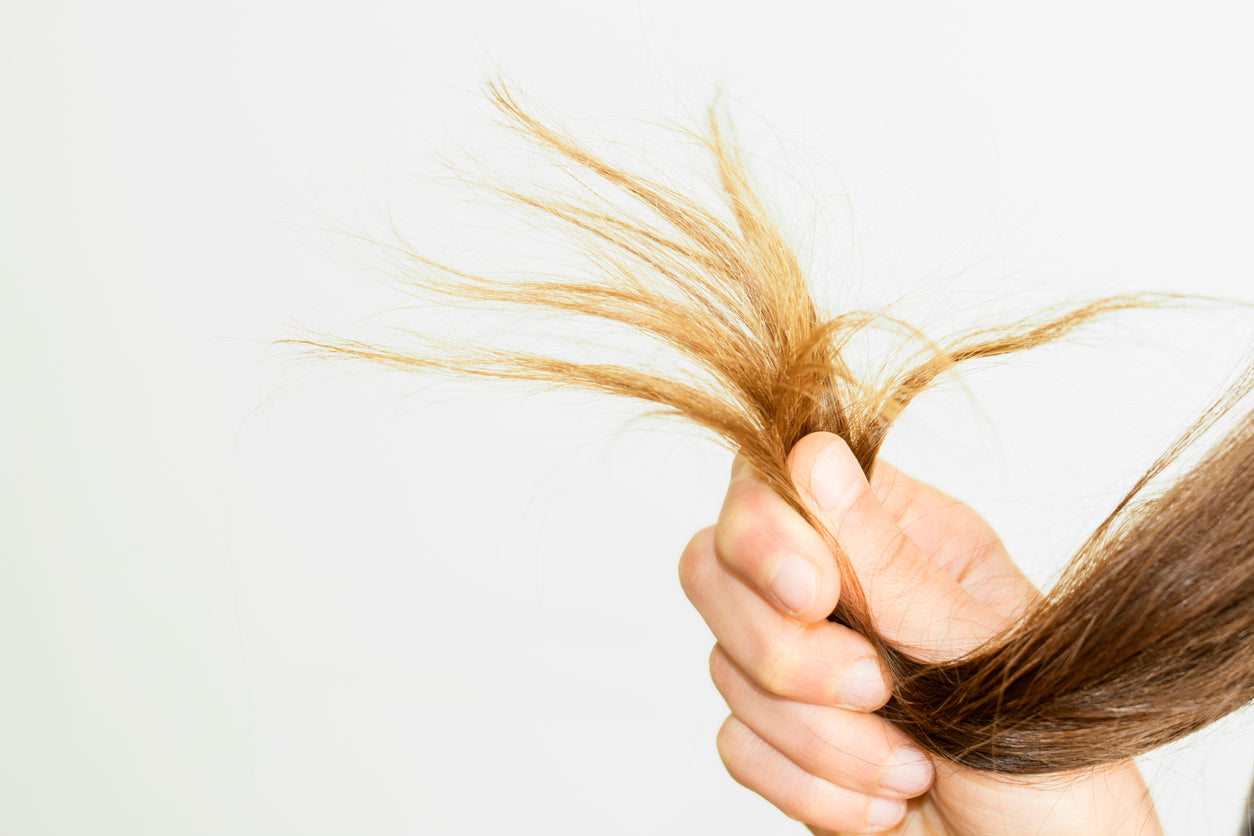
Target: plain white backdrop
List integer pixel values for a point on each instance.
(240, 595)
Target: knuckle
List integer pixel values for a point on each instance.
(746, 534)
(718, 669)
(776, 668)
(736, 531)
(691, 561)
(727, 678)
(731, 749)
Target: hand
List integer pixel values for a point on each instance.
(801, 689)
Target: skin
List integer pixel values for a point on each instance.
(802, 690)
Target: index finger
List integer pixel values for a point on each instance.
(769, 546)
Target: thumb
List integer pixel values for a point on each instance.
(914, 603)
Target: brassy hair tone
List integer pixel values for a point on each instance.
(1149, 634)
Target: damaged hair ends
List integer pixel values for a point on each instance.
(1149, 634)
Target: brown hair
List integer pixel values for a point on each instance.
(1148, 636)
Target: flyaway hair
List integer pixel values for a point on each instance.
(1149, 634)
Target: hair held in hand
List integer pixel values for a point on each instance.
(1149, 634)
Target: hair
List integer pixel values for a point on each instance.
(1149, 634)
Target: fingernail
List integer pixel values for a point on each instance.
(794, 583)
(826, 483)
(908, 771)
(884, 812)
(863, 685)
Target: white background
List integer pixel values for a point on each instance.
(240, 594)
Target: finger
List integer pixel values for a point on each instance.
(757, 765)
(822, 663)
(851, 749)
(913, 601)
(769, 545)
